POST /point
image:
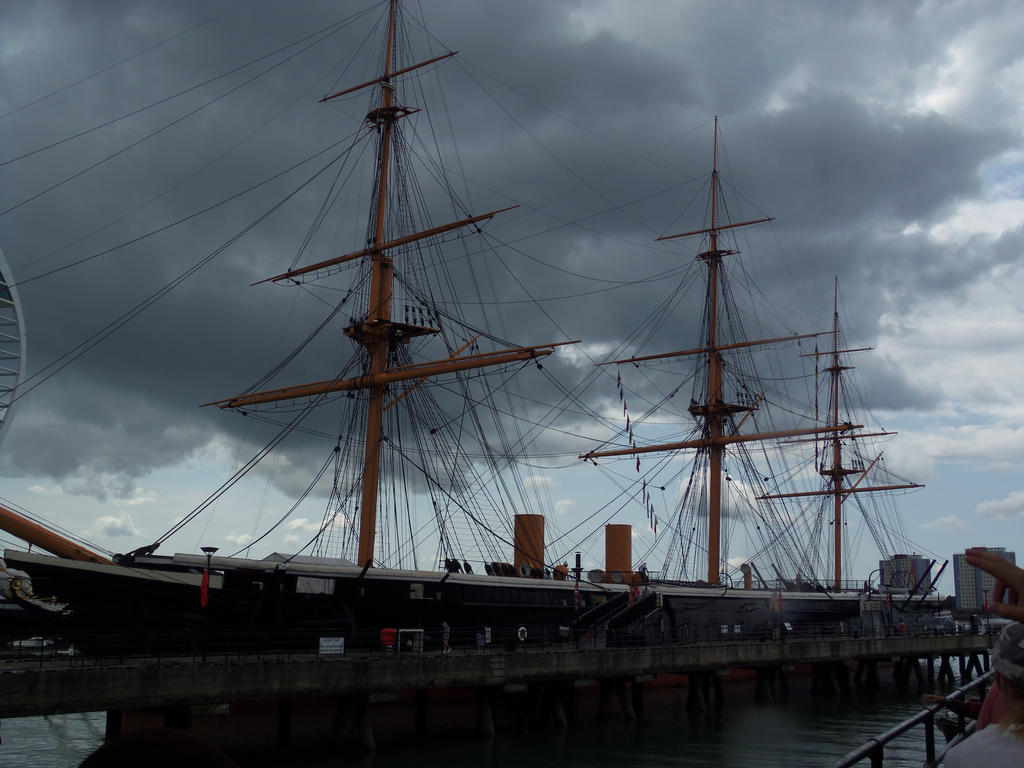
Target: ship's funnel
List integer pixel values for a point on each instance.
(529, 544)
(748, 579)
(618, 550)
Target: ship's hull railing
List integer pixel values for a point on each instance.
(874, 749)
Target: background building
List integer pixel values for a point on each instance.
(901, 573)
(973, 586)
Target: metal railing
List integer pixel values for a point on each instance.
(178, 645)
(874, 748)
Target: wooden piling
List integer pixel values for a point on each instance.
(625, 702)
(637, 690)
(606, 690)
(945, 670)
(284, 722)
(362, 727)
(914, 666)
(871, 681)
(764, 692)
(783, 680)
(113, 726)
(421, 711)
(841, 673)
(555, 696)
(696, 699)
(716, 681)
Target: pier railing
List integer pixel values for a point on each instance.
(202, 642)
(874, 748)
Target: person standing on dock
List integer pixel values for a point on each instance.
(1002, 744)
(446, 636)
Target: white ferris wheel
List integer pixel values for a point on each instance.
(12, 345)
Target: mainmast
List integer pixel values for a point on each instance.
(378, 333)
(837, 472)
(713, 413)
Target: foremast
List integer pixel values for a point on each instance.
(712, 413)
(837, 472)
(378, 332)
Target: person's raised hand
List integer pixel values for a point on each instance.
(1009, 588)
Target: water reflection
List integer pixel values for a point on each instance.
(807, 730)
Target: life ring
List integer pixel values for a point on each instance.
(521, 634)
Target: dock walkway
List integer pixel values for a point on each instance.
(76, 683)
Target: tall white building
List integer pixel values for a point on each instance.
(974, 586)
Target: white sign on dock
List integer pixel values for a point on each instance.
(329, 645)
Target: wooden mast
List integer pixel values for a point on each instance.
(714, 411)
(837, 471)
(715, 408)
(378, 332)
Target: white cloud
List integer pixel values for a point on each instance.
(1003, 509)
(990, 218)
(137, 497)
(302, 524)
(584, 355)
(47, 490)
(564, 506)
(946, 523)
(239, 539)
(114, 527)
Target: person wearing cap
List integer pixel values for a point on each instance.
(1003, 743)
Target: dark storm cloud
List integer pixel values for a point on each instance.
(598, 122)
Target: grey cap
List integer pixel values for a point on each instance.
(1008, 653)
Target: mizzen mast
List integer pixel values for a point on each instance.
(837, 472)
(713, 413)
(378, 332)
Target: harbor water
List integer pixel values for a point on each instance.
(804, 730)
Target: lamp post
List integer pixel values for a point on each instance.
(867, 584)
(204, 586)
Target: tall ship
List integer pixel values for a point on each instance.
(428, 519)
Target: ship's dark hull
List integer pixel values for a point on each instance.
(156, 606)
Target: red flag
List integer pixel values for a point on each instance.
(204, 588)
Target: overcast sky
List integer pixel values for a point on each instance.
(883, 138)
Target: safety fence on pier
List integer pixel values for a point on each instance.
(874, 748)
(95, 645)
